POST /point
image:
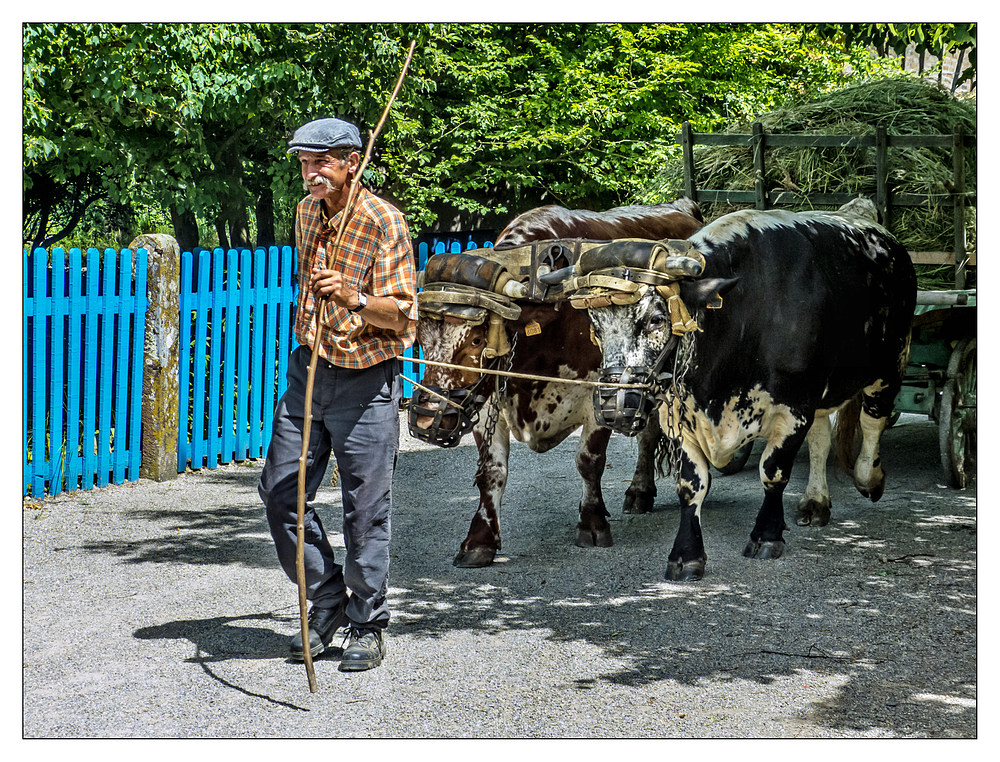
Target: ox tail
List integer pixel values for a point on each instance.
(846, 432)
(661, 454)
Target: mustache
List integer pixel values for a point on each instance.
(320, 180)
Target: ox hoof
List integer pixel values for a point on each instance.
(685, 571)
(593, 538)
(638, 501)
(474, 558)
(874, 492)
(764, 550)
(813, 513)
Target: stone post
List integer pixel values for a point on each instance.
(160, 419)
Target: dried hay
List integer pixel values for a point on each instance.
(904, 105)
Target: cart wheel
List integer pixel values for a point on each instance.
(957, 415)
(740, 458)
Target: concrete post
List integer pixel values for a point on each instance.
(160, 419)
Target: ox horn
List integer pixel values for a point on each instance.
(556, 277)
(677, 259)
(508, 286)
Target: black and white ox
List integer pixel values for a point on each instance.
(547, 339)
(813, 316)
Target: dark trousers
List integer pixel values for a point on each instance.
(356, 416)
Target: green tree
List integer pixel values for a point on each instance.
(892, 40)
(188, 116)
(518, 115)
(493, 118)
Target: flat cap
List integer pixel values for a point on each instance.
(323, 134)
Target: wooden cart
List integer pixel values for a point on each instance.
(940, 379)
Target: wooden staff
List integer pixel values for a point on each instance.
(300, 528)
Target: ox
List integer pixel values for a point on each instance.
(813, 316)
(528, 333)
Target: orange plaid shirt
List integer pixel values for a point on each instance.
(376, 257)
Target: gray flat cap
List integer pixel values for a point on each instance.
(323, 134)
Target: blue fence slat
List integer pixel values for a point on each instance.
(56, 399)
(184, 305)
(270, 343)
(140, 303)
(259, 361)
(90, 377)
(119, 436)
(213, 392)
(231, 333)
(199, 429)
(243, 390)
(74, 370)
(38, 424)
(287, 295)
(27, 357)
(105, 383)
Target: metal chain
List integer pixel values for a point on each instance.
(493, 409)
(682, 364)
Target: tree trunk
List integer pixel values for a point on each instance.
(220, 230)
(265, 219)
(239, 224)
(185, 228)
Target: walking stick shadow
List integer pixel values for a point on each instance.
(220, 639)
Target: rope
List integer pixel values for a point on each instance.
(525, 376)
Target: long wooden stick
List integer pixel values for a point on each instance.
(300, 527)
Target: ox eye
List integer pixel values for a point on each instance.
(477, 342)
(656, 322)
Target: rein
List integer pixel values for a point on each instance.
(510, 374)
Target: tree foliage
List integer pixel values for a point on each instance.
(493, 118)
(938, 40)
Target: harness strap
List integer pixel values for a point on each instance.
(436, 296)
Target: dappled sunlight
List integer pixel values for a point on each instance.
(955, 703)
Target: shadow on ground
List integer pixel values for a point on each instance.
(881, 602)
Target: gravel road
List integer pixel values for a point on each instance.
(158, 610)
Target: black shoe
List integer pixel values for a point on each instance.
(323, 622)
(365, 651)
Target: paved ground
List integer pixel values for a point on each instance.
(157, 610)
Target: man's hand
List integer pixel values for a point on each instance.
(381, 311)
(330, 284)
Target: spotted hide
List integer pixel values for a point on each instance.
(551, 340)
(815, 314)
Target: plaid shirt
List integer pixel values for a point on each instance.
(376, 257)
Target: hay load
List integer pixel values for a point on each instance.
(904, 105)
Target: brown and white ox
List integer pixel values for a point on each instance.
(550, 340)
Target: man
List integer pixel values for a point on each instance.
(369, 285)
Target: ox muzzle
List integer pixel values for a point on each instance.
(627, 410)
(443, 422)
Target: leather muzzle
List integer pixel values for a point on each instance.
(437, 422)
(627, 411)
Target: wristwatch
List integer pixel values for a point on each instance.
(362, 303)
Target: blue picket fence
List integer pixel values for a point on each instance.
(84, 325)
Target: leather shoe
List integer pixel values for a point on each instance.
(323, 622)
(365, 650)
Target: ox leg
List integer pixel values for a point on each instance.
(767, 537)
(814, 506)
(642, 491)
(591, 458)
(483, 541)
(686, 562)
(869, 476)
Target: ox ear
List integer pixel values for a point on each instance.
(705, 292)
